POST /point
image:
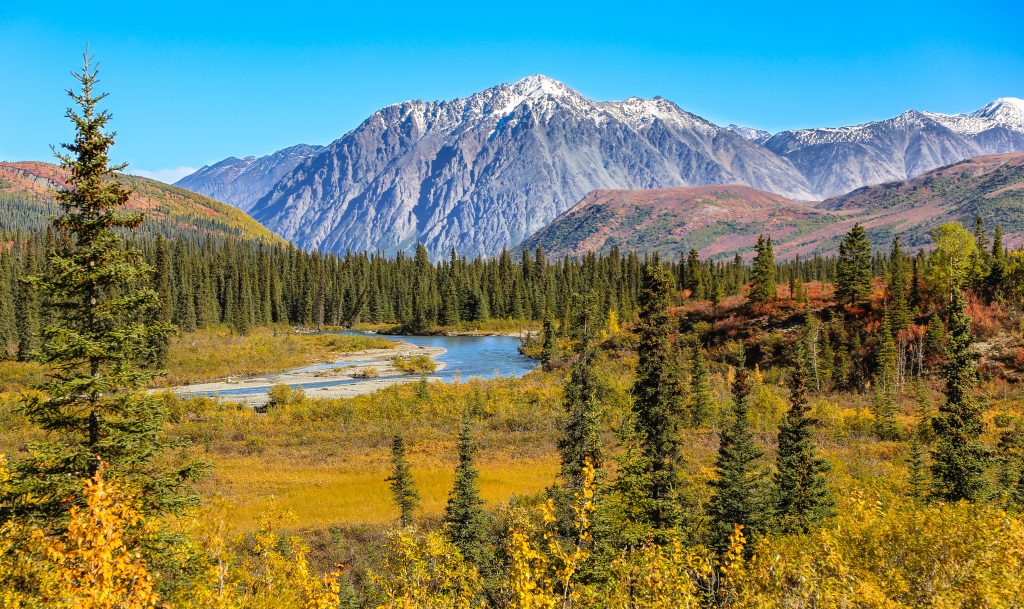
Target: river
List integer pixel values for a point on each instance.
(463, 357)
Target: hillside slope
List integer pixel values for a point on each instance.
(715, 220)
(27, 201)
(720, 220)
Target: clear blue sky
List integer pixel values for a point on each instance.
(192, 83)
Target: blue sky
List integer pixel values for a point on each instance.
(192, 83)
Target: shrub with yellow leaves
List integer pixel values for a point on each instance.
(265, 571)
(658, 577)
(95, 563)
(425, 571)
(542, 579)
(889, 556)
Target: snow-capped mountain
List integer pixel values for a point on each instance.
(241, 182)
(748, 133)
(838, 160)
(482, 173)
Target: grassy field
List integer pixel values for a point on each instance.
(321, 495)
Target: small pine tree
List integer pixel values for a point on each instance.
(917, 474)
(883, 400)
(700, 388)
(801, 492)
(403, 488)
(738, 488)
(960, 458)
(935, 339)
(465, 520)
(762, 276)
(547, 347)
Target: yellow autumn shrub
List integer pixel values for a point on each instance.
(264, 571)
(894, 555)
(425, 571)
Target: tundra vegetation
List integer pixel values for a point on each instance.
(824, 432)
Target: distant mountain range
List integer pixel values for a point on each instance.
(486, 172)
(242, 182)
(27, 202)
(723, 220)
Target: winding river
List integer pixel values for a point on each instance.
(463, 357)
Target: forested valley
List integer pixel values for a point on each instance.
(840, 431)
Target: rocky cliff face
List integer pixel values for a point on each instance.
(242, 182)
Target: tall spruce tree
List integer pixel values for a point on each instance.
(96, 289)
(580, 442)
(656, 414)
(802, 497)
(403, 489)
(580, 439)
(465, 520)
(853, 267)
(959, 458)
(762, 275)
(739, 493)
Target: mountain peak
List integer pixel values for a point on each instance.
(537, 85)
(1009, 109)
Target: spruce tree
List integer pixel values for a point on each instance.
(700, 388)
(163, 311)
(917, 474)
(580, 441)
(853, 267)
(802, 497)
(739, 494)
(959, 458)
(896, 289)
(655, 403)
(94, 407)
(994, 287)
(547, 348)
(402, 487)
(8, 319)
(27, 308)
(762, 275)
(465, 520)
(884, 392)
